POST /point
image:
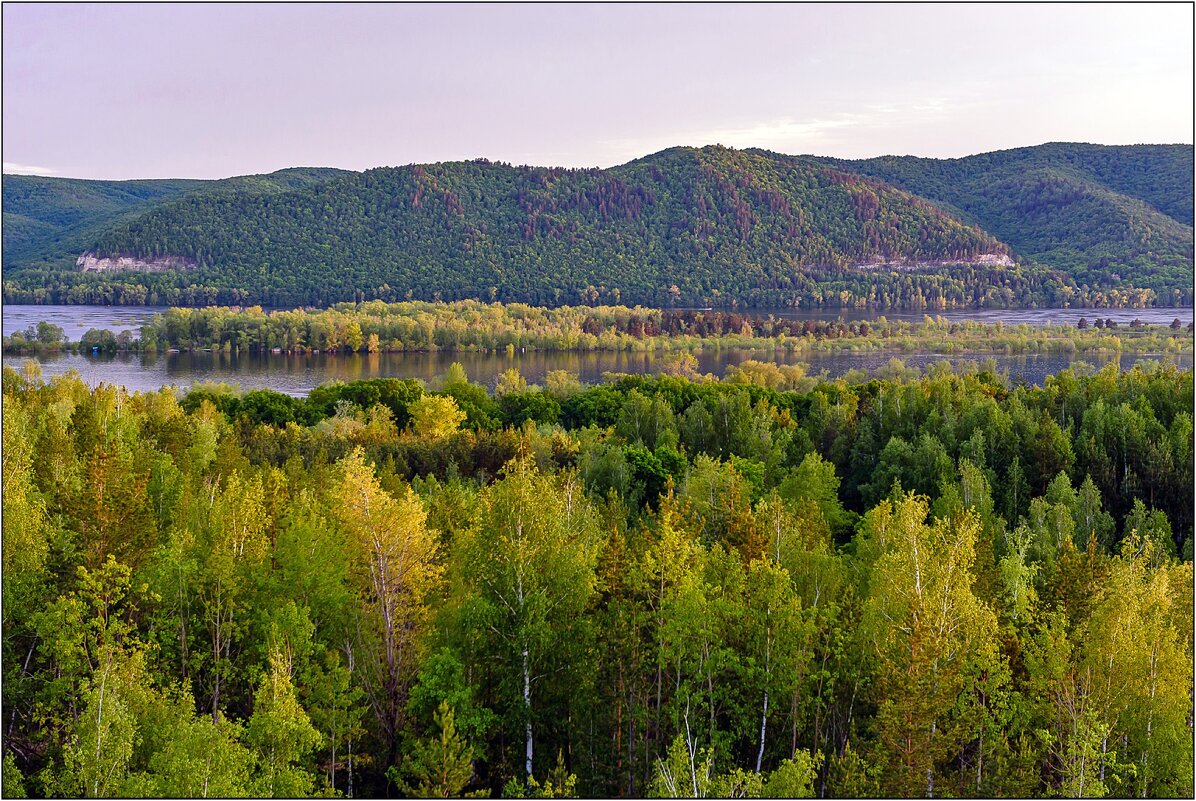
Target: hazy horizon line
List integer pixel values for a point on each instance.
(10, 168)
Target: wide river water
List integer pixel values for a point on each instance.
(296, 374)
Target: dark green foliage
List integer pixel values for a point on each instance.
(709, 226)
(49, 334)
(438, 767)
(98, 339)
(226, 401)
(648, 474)
(516, 408)
(48, 222)
(267, 406)
(703, 220)
(1090, 211)
(393, 393)
(482, 411)
(593, 406)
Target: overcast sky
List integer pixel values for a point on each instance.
(206, 91)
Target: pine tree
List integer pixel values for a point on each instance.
(437, 767)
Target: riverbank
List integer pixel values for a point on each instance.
(470, 326)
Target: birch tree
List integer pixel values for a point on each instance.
(393, 553)
(1142, 670)
(923, 622)
(777, 636)
(232, 547)
(531, 570)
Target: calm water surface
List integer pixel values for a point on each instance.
(297, 374)
(76, 320)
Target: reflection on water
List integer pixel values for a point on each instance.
(296, 374)
(1156, 316)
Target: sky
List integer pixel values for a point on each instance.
(209, 91)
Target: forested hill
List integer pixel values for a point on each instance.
(716, 224)
(49, 221)
(1090, 210)
(709, 226)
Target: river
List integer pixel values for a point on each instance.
(296, 374)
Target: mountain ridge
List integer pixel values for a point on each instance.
(709, 224)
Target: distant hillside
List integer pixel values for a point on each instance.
(49, 221)
(708, 226)
(1103, 215)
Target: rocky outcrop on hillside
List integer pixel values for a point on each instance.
(982, 260)
(90, 263)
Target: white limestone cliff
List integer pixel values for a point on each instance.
(90, 263)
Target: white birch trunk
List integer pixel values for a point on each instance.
(764, 714)
(527, 710)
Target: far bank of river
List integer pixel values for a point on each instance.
(76, 320)
(296, 374)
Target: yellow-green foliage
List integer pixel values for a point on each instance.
(925, 584)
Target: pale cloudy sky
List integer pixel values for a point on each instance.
(204, 91)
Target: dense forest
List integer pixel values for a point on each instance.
(1089, 210)
(710, 226)
(943, 585)
(48, 222)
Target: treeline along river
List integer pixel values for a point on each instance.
(296, 374)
